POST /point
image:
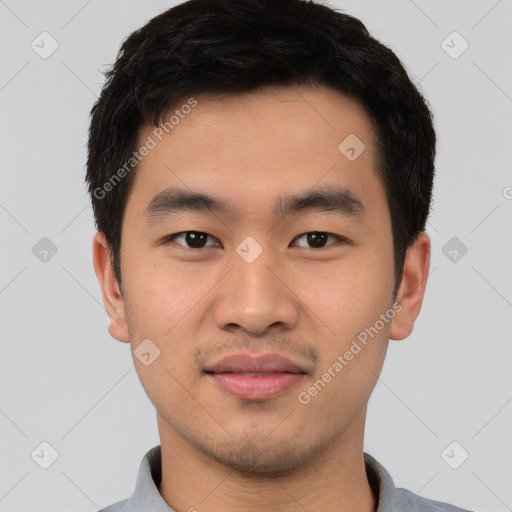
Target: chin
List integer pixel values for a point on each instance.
(256, 461)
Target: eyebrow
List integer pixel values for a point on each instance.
(171, 201)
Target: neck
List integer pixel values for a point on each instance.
(334, 481)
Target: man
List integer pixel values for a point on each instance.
(261, 174)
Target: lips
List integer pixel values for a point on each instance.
(246, 364)
(255, 377)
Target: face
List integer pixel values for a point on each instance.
(266, 306)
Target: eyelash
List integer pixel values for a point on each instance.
(170, 238)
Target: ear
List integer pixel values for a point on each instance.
(112, 298)
(412, 287)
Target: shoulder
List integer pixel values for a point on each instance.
(415, 503)
(120, 506)
(393, 499)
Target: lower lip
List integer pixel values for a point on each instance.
(256, 387)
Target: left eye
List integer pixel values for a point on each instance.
(317, 238)
(197, 239)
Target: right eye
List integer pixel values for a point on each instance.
(192, 239)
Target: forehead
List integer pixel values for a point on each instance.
(253, 147)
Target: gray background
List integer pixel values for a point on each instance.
(65, 381)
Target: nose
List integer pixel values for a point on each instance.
(256, 297)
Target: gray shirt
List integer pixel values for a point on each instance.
(146, 497)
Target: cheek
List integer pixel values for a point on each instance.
(351, 300)
(160, 293)
(346, 295)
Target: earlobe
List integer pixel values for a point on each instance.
(112, 298)
(412, 287)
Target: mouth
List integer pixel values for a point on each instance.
(255, 378)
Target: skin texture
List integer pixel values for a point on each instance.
(308, 304)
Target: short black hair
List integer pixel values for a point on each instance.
(238, 46)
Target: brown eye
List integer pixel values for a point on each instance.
(191, 239)
(316, 239)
